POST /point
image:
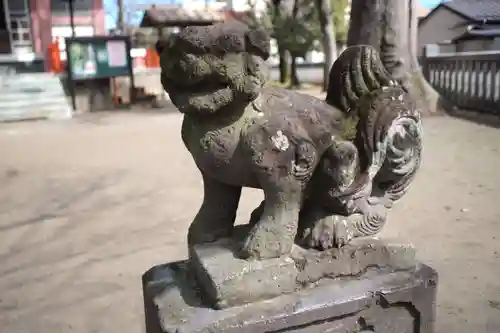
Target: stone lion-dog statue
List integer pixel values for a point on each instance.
(330, 170)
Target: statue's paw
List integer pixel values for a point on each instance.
(344, 230)
(328, 232)
(321, 235)
(267, 240)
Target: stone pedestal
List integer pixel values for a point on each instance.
(228, 281)
(370, 286)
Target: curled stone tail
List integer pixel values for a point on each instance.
(388, 130)
(391, 130)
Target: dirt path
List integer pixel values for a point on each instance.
(87, 205)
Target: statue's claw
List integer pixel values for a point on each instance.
(323, 233)
(345, 229)
(331, 231)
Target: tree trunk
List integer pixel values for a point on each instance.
(427, 94)
(294, 78)
(283, 65)
(413, 35)
(282, 54)
(390, 27)
(328, 37)
(120, 21)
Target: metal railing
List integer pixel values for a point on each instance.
(469, 80)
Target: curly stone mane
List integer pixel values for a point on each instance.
(222, 38)
(356, 72)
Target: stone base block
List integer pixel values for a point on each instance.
(376, 301)
(229, 281)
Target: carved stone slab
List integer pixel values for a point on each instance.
(229, 281)
(397, 302)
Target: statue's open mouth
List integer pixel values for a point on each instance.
(192, 86)
(205, 95)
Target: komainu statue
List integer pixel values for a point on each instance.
(330, 170)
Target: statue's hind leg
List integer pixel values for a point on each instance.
(323, 228)
(316, 229)
(324, 220)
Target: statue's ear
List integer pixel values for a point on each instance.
(257, 42)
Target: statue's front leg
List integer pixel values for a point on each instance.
(256, 214)
(217, 214)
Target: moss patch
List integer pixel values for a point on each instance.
(349, 127)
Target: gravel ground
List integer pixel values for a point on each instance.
(87, 205)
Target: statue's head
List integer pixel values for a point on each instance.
(207, 68)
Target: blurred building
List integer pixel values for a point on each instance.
(27, 27)
(461, 26)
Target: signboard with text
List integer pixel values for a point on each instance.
(93, 63)
(98, 57)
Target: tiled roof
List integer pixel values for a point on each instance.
(169, 15)
(476, 10)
